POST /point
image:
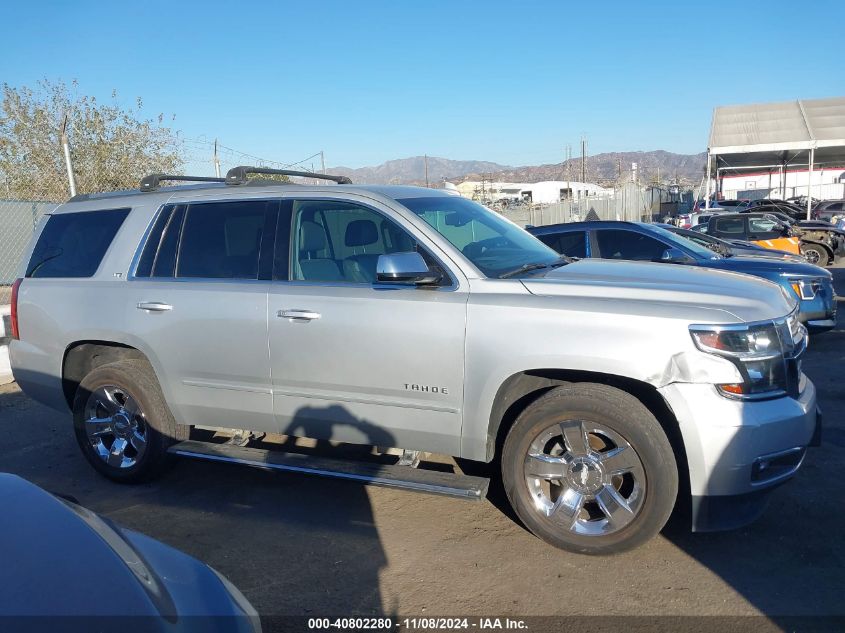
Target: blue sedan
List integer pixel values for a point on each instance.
(812, 285)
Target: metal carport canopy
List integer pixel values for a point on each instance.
(776, 134)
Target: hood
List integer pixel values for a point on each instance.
(60, 559)
(775, 266)
(742, 297)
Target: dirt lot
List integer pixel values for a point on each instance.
(307, 546)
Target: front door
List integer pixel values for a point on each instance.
(354, 360)
(768, 233)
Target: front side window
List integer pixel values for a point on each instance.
(493, 244)
(764, 228)
(73, 244)
(222, 240)
(617, 244)
(341, 242)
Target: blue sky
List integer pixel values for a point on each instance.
(511, 82)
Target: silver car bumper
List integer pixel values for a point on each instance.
(737, 451)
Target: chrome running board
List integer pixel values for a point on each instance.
(386, 475)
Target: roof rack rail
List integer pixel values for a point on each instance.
(238, 175)
(153, 181)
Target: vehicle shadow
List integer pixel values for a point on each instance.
(294, 545)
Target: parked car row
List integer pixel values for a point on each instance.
(634, 241)
(796, 207)
(601, 384)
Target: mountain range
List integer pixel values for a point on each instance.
(606, 168)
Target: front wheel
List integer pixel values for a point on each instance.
(589, 469)
(122, 423)
(815, 254)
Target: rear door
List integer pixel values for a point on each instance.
(199, 302)
(354, 360)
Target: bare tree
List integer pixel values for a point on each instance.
(113, 147)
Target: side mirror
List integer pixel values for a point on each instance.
(407, 268)
(674, 256)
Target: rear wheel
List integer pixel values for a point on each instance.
(815, 254)
(589, 469)
(122, 423)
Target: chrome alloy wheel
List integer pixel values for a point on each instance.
(585, 477)
(115, 426)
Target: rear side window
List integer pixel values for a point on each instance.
(571, 244)
(159, 256)
(731, 226)
(73, 244)
(222, 240)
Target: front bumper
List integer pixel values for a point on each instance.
(737, 452)
(818, 313)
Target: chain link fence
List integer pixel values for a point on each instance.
(21, 209)
(25, 196)
(628, 203)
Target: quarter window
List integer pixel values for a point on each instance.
(73, 244)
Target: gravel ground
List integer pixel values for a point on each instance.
(315, 547)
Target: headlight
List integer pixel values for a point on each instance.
(764, 353)
(805, 289)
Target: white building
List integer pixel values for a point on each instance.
(828, 183)
(547, 192)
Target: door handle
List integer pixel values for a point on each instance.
(298, 315)
(154, 306)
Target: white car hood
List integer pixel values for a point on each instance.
(744, 297)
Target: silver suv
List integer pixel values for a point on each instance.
(604, 392)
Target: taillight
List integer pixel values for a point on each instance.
(15, 330)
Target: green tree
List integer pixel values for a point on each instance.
(112, 146)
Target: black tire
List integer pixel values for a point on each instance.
(137, 379)
(815, 254)
(618, 412)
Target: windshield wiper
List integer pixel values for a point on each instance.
(536, 266)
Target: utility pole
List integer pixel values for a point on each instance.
(567, 162)
(216, 160)
(583, 159)
(66, 149)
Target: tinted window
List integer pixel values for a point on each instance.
(145, 262)
(341, 242)
(73, 244)
(731, 226)
(618, 244)
(571, 244)
(159, 256)
(222, 240)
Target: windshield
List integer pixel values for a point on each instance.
(495, 245)
(697, 250)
